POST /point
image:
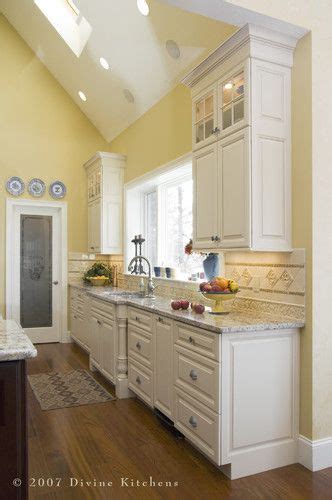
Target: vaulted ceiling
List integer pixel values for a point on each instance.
(134, 46)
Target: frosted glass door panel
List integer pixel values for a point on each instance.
(36, 271)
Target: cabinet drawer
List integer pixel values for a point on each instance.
(140, 318)
(199, 424)
(198, 340)
(103, 309)
(198, 376)
(140, 381)
(140, 345)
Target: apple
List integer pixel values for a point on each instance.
(184, 304)
(202, 285)
(199, 308)
(176, 305)
(216, 288)
(207, 288)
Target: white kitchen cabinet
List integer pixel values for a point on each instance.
(105, 174)
(243, 187)
(205, 117)
(103, 338)
(78, 318)
(205, 207)
(163, 367)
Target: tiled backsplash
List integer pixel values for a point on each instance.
(78, 263)
(268, 281)
(272, 282)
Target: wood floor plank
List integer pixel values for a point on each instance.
(122, 440)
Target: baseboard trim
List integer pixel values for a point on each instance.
(315, 455)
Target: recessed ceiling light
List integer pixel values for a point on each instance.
(128, 95)
(82, 95)
(143, 7)
(173, 49)
(104, 63)
(228, 85)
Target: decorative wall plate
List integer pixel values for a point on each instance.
(15, 186)
(57, 189)
(36, 187)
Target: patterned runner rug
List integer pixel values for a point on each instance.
(60, 390)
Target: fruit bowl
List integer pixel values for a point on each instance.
(98, 280)
(218, 298)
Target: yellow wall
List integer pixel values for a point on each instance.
(42, 134)
(160, 135)
(302, 208)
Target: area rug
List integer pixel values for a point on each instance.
(61, 390)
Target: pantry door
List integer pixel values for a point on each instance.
(36, 270)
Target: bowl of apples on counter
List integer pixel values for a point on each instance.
(218, 290)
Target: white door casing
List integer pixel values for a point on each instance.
(58, 211)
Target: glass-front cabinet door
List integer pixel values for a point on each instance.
(205, 118)
(233, 101)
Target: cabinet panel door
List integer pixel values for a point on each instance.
(95, 339)
(94, 226)
(108, 347)
(163, 395)
(205, 210)
(234, 190)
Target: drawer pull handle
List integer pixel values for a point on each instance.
(191, 340)
(193, 421)
(138, 345)
(193, 375)
(138, 380)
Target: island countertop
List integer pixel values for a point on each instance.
(14, 343)
(236, 321)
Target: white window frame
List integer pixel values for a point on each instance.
(135, 190)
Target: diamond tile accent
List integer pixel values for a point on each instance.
(286, 279)
(235, 275)
(246, 277)
(272, 277)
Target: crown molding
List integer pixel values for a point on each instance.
(255, 41)
(104, 155)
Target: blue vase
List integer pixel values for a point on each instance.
(211, 266)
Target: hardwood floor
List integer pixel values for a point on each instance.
(123, 439)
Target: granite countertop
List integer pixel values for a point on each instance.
(14, 343)
(235, 321)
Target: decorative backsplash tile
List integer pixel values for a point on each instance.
(78, 263)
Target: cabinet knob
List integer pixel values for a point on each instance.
(191, 340)
(138, 345)
(98, 321)
(212, 238)
(193, 421)
(138, 380)
(137, 319)
(92, 248)
(193, 375)
(161, 320)
(216, 238)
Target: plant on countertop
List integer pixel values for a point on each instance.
(98, 269)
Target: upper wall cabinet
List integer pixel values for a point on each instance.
(105, 174)
(242, 143)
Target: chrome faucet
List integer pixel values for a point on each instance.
(150, 287)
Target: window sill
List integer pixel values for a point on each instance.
(186, 283)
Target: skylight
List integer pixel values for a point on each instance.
(65, 17)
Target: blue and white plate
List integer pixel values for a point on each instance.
(15, 186)
(57, 189)
(36, 188)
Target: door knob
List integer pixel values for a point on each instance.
(55, 282)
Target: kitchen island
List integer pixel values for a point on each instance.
(229, 384)
(15, 348)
